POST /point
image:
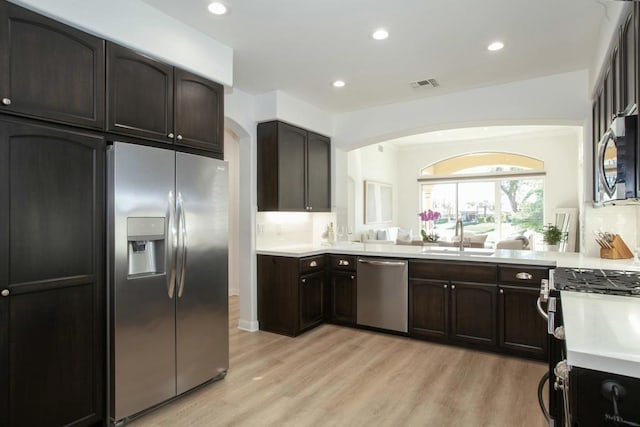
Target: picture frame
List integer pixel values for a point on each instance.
(378, 202)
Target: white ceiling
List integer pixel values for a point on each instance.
(301, 46)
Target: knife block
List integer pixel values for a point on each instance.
(619, 251)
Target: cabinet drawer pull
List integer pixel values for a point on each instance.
(170, 135)
(313, 264)
(343, 262)
(6, 101)
(452, 286)
(524, 276)
(5, 292)
(502, 291)
(179, 137)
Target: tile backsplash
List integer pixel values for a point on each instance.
(622, 220)
(277, 229)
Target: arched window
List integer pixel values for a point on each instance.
(498, 196)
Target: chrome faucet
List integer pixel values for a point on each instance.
(459, 222)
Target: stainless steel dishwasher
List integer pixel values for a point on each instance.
(382, 293)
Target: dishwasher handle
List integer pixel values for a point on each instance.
(383, 263)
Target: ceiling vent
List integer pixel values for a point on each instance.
(425, 83)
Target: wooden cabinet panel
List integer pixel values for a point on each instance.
(473, 313)
(49, 70)
(318, 177)
(199, 112)
(278, 294)
(522, 274)
(342, 262)
(521, 328)
(429, 308)
(459, 271)
(52, 200)
(139, 95)
(311, 299)
(343, 297)
(629, 53)
(313, 263)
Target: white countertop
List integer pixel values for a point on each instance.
(602, 332)
(551, 259)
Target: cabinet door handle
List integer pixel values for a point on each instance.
(453, 287)
(353, 277)
(179, 137)
(446, 286)
(304, 280)
(170, 135)
(5, 292)
(343, 262)
(502, 291)
(310, 208)
(523, 275)
(6, 101)
(313, 264)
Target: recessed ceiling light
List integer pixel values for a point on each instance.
(495, 46)
(339, 83)
(217, 8)
(380, 34)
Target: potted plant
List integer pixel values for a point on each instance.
(428, 230)
(552, 236)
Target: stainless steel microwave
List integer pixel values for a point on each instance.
(616, 169)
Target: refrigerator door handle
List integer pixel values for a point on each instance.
(182, 225)
(172, 245)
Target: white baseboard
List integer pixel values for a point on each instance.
(234, 292)
(248, 325)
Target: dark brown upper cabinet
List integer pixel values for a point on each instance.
(139, 95)
(52, 307)
(294, 169)
(49, 70)
(152, 100)
(629, 58)
(199, 112)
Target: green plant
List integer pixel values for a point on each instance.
(552, 235)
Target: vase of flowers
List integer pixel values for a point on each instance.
(428, 230)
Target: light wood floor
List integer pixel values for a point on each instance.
(335, 376)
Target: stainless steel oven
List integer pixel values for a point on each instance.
(557, 374)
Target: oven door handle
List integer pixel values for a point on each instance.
(542, 313)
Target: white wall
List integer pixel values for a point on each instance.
(232, 155)
(239, 118)
(369, 163)
(558, 152)
(139, 26)
(560, 99)
(278, 105)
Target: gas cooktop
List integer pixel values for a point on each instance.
(616, 282)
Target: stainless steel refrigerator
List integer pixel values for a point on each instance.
(168, 287)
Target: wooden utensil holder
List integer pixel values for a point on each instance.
(619, 250)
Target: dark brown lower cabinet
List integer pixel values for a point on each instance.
(343, 297)
(52, 308)
(290, 293)
(473, 313)
(312, 299)
(429, 308)
(521, 329)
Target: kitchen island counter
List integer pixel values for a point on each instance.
(602, 332)
(548, 259)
